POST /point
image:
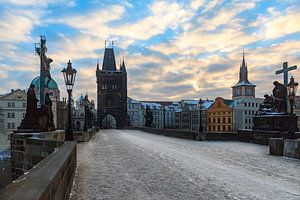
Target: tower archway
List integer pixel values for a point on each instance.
(109, 122)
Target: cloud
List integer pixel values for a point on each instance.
(16, 25)
(39, 3)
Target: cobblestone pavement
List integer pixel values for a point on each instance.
(130, 164)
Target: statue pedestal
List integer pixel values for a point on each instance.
(277, 122)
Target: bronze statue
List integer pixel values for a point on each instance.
(279, 94)
(148, 117)
(30, 121)
(48, 103)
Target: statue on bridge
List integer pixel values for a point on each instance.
(275, 103)
(148, 117)
(30, 121)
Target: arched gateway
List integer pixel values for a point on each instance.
(111, 91)
(109, 121)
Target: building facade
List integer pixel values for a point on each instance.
(188, 116)
(220, 116)
(135, 113)
(244, 109)
(12, 109)
(111, 92)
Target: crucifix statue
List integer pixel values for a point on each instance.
(285, 71)
(41, 50)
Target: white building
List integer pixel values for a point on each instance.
(135, 113)
(12, 111)
(244, 109)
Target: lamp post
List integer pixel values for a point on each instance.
(292, 90)
(164, 115)
(200, 115)
(69, 77)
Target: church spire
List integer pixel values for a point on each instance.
(243, 62)
(243, 71)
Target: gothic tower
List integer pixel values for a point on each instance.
(111, 92)
(243, 88)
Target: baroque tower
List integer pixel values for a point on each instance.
(243, 88)
(111, 92)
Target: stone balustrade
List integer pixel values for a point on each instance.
(51, 178)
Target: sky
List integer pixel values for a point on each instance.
(173, 50)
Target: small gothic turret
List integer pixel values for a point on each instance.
(122, 67)
(243, 88)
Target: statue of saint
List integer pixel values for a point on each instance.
(279, 94)
(148, 117)
(48, 103)
(31, 103)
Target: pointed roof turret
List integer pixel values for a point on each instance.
(109, 62)
(243, 75)
(123, 68)
(97, 64)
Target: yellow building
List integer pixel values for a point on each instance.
(220, 116)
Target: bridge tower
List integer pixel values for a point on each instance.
(111, 92)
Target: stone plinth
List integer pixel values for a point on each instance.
(279, 122)
(292, 148)
(85, 136)
(28, 149)
(276, 146)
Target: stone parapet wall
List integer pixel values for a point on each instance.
(28, 149)
(261, 137)
(193, 135)
(85, 136)
(50, 179)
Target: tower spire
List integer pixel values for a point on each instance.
(243, 62)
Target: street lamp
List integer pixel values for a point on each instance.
(164, 115)
(292, 90)
(69, 77)
(200, 115)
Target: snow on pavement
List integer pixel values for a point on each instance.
(130, 164)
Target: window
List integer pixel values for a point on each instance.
(219, 120)
(256, 104)
(24, 105)
(253, 112)
(8, 115)
(245, 112)
(245, 104)
(252, 104)
(224, 121)
(8, 125)
(224, 128)
(114, 86)
(12, 115)
(9, 104)
(249, 104)
(229, 120)
(246, 121)
(13, 125)
(104, 87)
